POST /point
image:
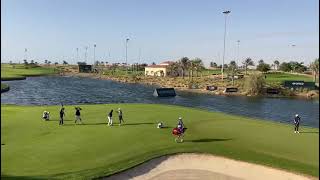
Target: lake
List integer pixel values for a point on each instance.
(54, 90)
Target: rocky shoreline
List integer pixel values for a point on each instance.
(182, 87)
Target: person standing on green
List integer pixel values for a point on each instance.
(120, 116)
(296, 122)
(62, 114)
(110, 118)
(78, 118)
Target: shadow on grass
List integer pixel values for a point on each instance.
(134, 124)
(315, 132)
(208, 140)
(20, 177)
(59, 120)
(106, 123)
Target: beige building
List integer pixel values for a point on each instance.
(157, 70)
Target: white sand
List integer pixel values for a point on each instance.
(205, 167)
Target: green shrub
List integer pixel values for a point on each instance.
(254, 84)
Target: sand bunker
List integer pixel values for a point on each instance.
(204, 167)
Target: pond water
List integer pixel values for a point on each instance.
(52, 90)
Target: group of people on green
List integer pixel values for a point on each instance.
(62, 114)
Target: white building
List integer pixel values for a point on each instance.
(157, 70)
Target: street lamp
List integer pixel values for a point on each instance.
(127, 54)
(25, 53)
(85, 55)
(77, 54)
(238, 52)
(94, 53)
(224, 39)
(293, 45)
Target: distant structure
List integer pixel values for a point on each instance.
(157, 70)
(83, 68)
(164, 92)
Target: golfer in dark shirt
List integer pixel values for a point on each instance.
(110, 118)
(120, 116)
(296, 122)
(61, 116)
(78, 118)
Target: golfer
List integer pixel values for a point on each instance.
(62, 114)
(110, 118)
(296, 122)
(180, 125)
(78, 118)
(120, 116)
(45, 115)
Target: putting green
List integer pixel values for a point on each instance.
(32, 148)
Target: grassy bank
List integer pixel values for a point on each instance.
(32, 148)
(4, 87)
(20, 71)
(281, 77)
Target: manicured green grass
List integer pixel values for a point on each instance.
(213, 71)
(280, 77)
(19, 71)
(34, 148)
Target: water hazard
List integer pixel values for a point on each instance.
(53, 90)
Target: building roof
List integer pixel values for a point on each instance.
(156, 66)
(167, 62)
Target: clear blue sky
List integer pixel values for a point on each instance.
(160, 30)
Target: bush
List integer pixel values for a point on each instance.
(254, 84)
(263, 67)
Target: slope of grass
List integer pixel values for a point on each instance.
(32, 148)
(280, 77)
(19, 71)
(4, 87)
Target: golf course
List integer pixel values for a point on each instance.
(32, 148)
(20, 71)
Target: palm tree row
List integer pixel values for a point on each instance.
(186, 66)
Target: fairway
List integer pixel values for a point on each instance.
(281, 77)
(8, 72)
(32, 148)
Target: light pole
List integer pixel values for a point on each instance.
(77, 54)
(25, 53)
(127, 54)
(293, 45)
(85, 54)
(238, 52)
(94, 53)
(224, 39)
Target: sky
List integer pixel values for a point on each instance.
(159, 30)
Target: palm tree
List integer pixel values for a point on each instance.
(183, 63)
(232, 68)
(173, 69)
(261, 61)
(248, 62)
(277, 63)
(198, 65)
(315, 69)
